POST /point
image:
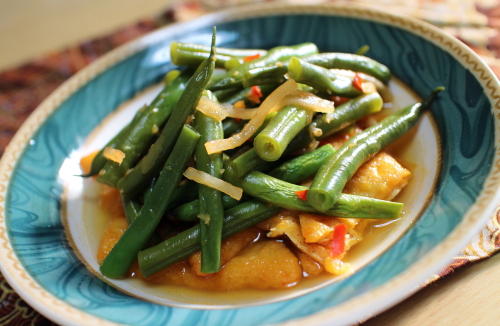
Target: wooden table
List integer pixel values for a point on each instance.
(470, 296)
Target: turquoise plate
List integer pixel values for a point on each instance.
(40, 265)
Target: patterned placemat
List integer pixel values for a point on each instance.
(475, 22)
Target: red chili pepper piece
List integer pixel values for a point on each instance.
(337, 246)
(338, 100)
(301, 194)
(251, 57)
(357, 82)
(255, 94)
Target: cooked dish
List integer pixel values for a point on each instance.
(251, 168)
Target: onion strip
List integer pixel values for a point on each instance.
(270, 103)
(114, 155)
(219, 112)
(213, 182)
(309, 101)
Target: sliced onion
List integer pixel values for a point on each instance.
(213, 182)
(309, 102)
(211, 109)
(219, 112)
(240, 113)
(114, 155)
(270, 103)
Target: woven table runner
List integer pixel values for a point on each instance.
(475, 22)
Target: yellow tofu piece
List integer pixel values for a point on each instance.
(264, 265)
(382, 177)
(230, 247)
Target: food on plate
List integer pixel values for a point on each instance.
(251, 168)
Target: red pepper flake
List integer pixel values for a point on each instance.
(251, 57)
(338, 100)
(357, 82)
(255, 94)
(301, 194)
(337, 246)
(237, 120)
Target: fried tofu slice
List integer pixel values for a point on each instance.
(382, 177)
(230, 247)
(265, 264)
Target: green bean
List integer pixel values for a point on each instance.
(248, 161)
(281, 53)
(321, 78)
(352, 62)
(189, 212)
(187, 54)
(265, 75)
(334, 174)
(272, 141)
(284, 194)
(184, 192)
(121, 257)
(131, 209)
(143, 130)
(231, 126)
(136, 179)
(211, 211)
(348, 113)
(182, 245)
(99, 160)
(381, 88)
(304, 166)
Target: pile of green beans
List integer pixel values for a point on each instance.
(169, 135)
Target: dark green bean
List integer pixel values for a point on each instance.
(231, 126)
(304, 166)
(272, 141)
(352, 62)
(131, 209)
(281, 53)
(137, 178)
(99, 160)
(182, 245)
(211, 211)
(189, 212)
(334, 174)
(348, 113)
(321, 78)
(187, 54)
(248, 161)
(284, 194)
(123, 254)
(143, 130)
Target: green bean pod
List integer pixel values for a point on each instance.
(131, 209)
(192, 55)
(231, 126)
(211, 210)
(189, 212)
(272, 141)
(248, 161)
(123, 254)
(265, 75)
(348, 113)
(143, 130)
(99, 160)
(137, 178)
(304, 166)
(336, 60)
(182, 245)
(334, 174)
(283, 194)
(321, 78)
(281, 53)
